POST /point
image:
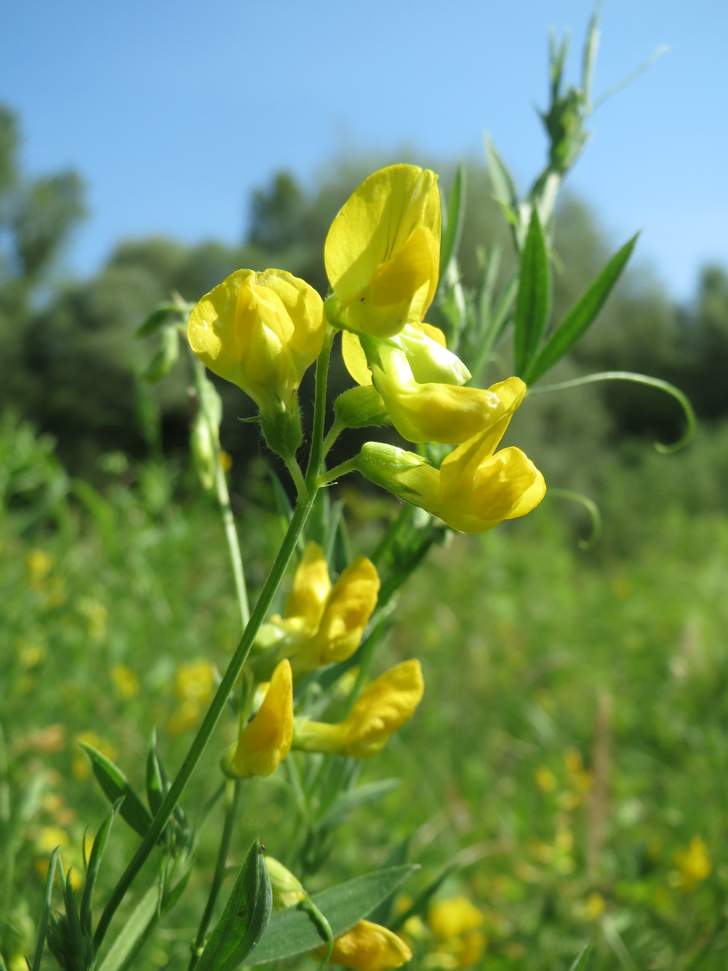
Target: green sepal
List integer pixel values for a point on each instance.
(114, 785)
(582, 315)
(361, 407)
(282, 431)
(244, 919)
(534, 297)
(292, 932)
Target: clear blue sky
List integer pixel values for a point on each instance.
(173, 110)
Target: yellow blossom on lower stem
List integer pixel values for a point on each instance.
(266, 739)
(693, 865)
(379, 711)
(367, 947)
(475, 487)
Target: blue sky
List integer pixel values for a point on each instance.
(173, 110)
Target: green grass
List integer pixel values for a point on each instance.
(520, 634)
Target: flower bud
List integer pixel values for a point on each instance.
(266, 739)
(382, 252)
(367, 947)
(262, 331)
(361, 407)
(287, 890)
(379, 711)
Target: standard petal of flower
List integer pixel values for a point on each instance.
(212, 332)
(382, 708)
(311, 588)
(266, 740)
(368, 947)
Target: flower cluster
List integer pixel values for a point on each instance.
(382, 253)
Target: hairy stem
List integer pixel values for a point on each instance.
(340, 470)
(319, 413)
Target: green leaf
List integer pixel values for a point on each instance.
(455, 220)
(97, 852)
(244, 919)
(156, 788)
(397, 857)
(534, 295)
(293, 931)
(157, 318)
(43, 922)
(582, 315)
(346, 802)
(114, 785)
(582, 959)
(504, 189)
(131, 932)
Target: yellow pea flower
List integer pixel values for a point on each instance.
(262, 331)
(322, 625)
(382, 252)
(287, 889)
(367, 947)
(266, 739)
(379, 711)
(693, 865)
(455, 923)
(472, 491)
(423, 345)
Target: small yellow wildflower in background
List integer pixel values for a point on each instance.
(80, 765)
(226, 461)
(194, 685)
(39, 565)
(125, 682)
(48, 838)
(455, 925)
(693, 865)
(594, 906)
(30, 655)
(96, 615)
(545, 779)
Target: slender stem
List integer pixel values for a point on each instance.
(233, 542)
(334, 432)
(230, 812)
(319, 412)
(298, 480)
(207, 727)
(336, 473)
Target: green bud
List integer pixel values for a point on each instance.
(360, 407)
(203, 450)
(165, 358)
(384, 464)
(430, 361)
(332, 311)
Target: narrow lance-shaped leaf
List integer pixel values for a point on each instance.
(43, 922)
(244, 919)
(156, 789)
(582, 315)
(114, 785)
(582, 959)
(97, 852)
(346, 802)
(504, 189)
(132, 931)
(292, 932)
(157, 318)
(455, 219)
(532, 303)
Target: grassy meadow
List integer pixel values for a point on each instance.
(569, 753)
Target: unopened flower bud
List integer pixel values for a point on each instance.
(361, 407)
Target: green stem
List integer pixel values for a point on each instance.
(319, 412)
(207, 727)
(233, 542)
(219, 875)
(295, 528)
(300, 483)
(336, 473)
(334, 432)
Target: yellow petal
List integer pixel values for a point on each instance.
(355, 359)
(311, 587)
(211, 330)
(266, 740)
(411, 268)
(382, 708)
(453, 917)
(368, 947)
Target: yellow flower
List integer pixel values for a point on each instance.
(456, 924)
(322, 625)
(382, 252)
(438, 411)
(262, 331)
(49, 838)
(379, 711)
(39, 563)
(96, 615)
(473, 490)
(125, 681)
(367, 947)
(193, 686)
(693, 865)
(594, 906)
(424, 346)
(266, 739)
(545, 779)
